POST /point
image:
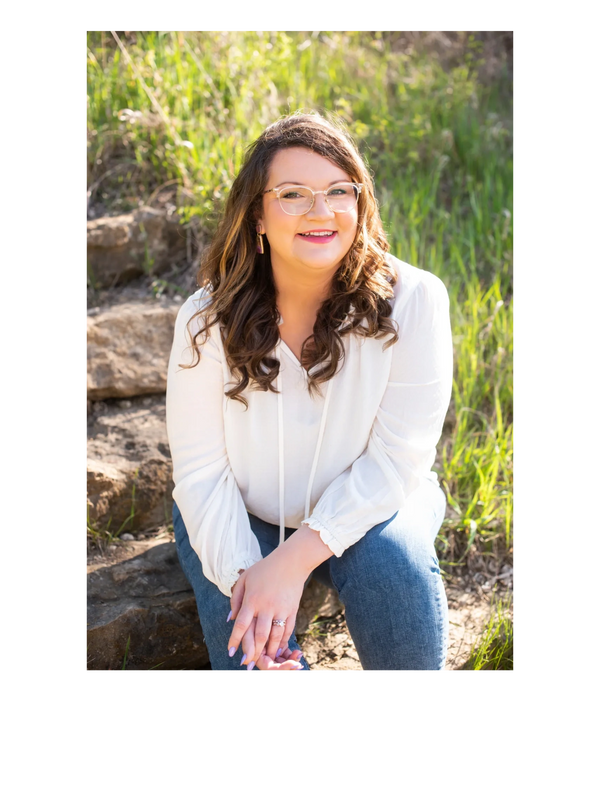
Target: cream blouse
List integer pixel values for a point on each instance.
(341, 462)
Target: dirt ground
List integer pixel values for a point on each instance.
(328, 644)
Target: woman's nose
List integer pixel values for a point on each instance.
(320, 208)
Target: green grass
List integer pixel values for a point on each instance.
(477, 454)
(494, 649)
(439, 143)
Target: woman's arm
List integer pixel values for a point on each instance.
(407, 427)
(206, 491)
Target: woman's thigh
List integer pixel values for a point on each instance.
(213, 605)
(392, 590)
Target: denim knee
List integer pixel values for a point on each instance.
(390, 584)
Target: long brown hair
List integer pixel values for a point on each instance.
(239, 281)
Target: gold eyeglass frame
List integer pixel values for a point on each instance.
(280, 189)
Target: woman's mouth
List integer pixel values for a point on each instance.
(320, 237)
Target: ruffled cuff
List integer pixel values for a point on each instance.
(235, 574)
(327, 537)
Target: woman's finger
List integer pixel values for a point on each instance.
(275, 638)
(265, 662)
(282, 654)
(248, 647)
(287, 631)
(242, 623)
(288, 655)
(262, 632)
(296, 655)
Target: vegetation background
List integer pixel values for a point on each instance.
(169, 116)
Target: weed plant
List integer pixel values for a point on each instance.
(178, 109)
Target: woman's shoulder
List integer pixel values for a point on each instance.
(195, 303)
(190, 317)
(198, 300)
(414, 283)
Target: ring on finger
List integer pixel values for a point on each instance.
(280, 623)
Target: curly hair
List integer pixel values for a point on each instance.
(239, 281)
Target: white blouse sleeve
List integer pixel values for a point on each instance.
(402, 444)
(206, 491)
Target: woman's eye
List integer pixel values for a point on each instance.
(291, 195)
(337, 190)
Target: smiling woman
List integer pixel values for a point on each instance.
(301, 442)
(250, 290)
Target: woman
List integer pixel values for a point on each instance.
(307, 387)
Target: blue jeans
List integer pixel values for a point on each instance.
(389, 582)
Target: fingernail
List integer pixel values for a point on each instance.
(229, 616)
(231, 649)
(243, 659)
(298, 666)
(279, 652)
(251, 664)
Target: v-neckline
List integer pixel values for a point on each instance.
(288, 349)
(291, 354)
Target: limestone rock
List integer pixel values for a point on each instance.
(129, 466)
(148, 600)
(128, 349)
(146, 241)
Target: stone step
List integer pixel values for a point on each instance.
(129, 347)
(145, 241)
(129, 472)
(144, 596)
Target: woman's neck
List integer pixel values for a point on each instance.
(298, 296)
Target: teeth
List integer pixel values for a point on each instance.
(317, 233)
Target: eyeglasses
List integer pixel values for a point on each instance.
(297, 200)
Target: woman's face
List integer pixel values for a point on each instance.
(285, 233)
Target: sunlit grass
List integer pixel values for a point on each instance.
(494, 648)
(477, 455)
(181, 110)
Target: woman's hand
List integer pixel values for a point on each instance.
(287, 660)
(270, 589)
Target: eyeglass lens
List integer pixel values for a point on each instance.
(298, 199)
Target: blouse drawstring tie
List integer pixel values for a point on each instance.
(313, 471)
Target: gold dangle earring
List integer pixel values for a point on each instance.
(260, 248)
